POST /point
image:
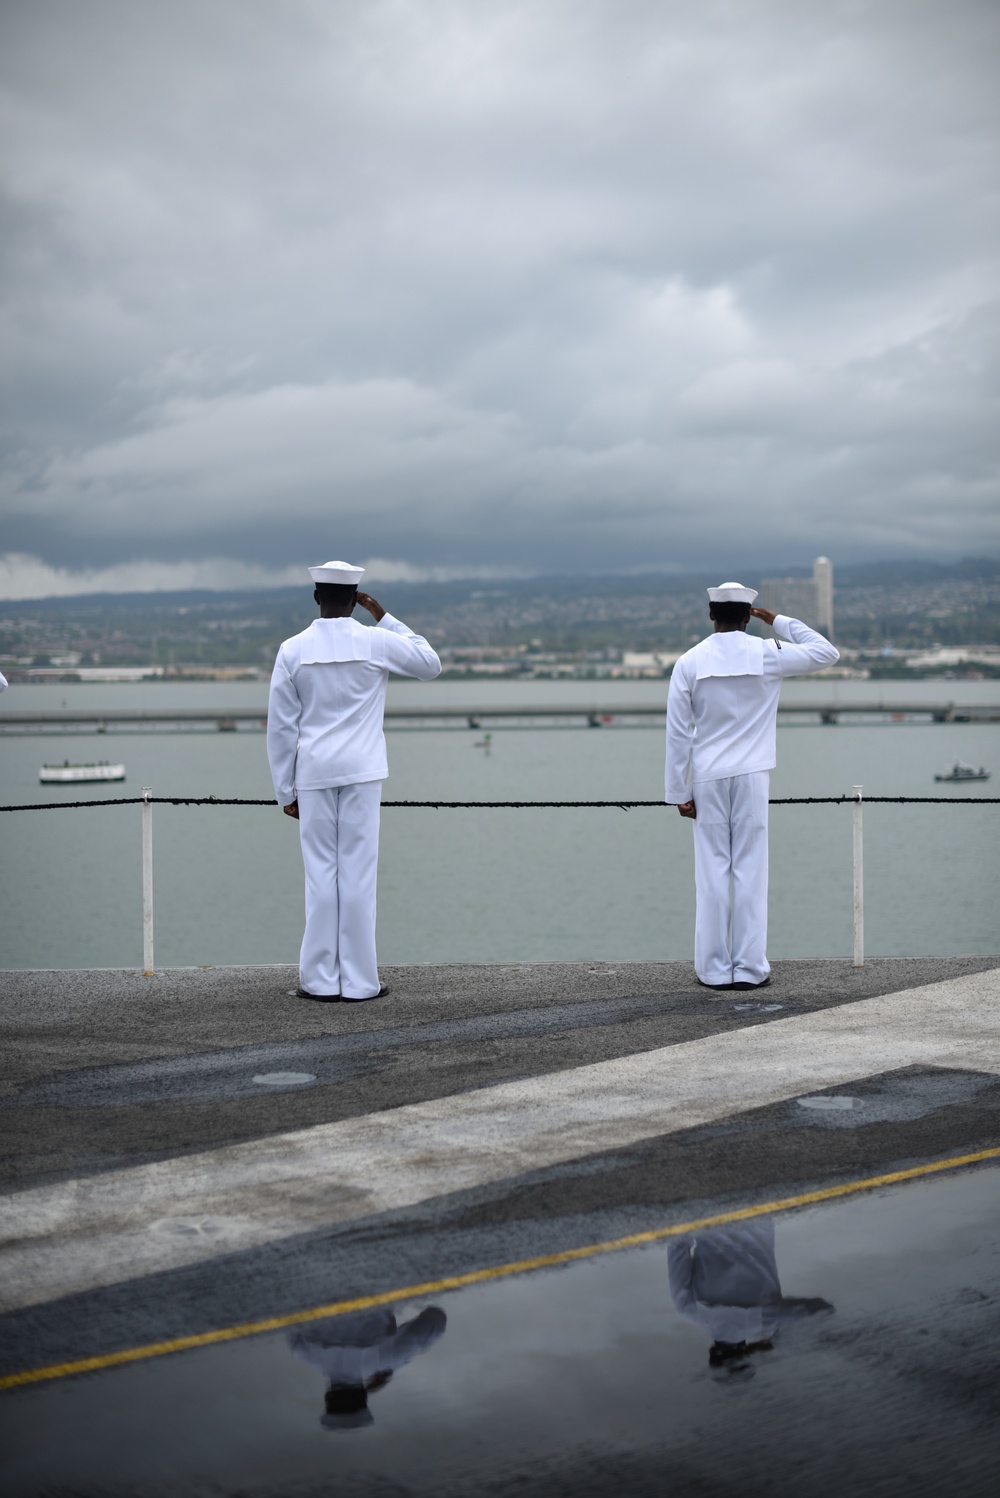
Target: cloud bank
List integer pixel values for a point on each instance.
(519, 288)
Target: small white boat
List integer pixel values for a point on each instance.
(66, 774)
(963, 772)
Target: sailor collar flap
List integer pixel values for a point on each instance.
(329, 640)
(731, 653)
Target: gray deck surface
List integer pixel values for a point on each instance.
(104, 1067)
(105, 1075)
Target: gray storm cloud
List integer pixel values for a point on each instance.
(540, 286)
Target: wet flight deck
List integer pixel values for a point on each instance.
(660, 1243)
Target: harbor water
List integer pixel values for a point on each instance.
(493, 886)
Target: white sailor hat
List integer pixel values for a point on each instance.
(731, 593)
(341, 573)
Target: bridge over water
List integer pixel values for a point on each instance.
(484, 716)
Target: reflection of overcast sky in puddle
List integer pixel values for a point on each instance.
(575, 1362)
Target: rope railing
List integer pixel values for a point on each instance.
(497, 805)
(147, 801)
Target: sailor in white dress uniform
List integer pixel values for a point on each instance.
(3, 682)
(326, 749)
(359, 1352)
(726, 1282)
(722, 709)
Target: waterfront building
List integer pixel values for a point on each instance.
(823, 583)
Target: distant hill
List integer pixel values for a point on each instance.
(279, 599)
(969, 569)
(908, 602)
(275, 601)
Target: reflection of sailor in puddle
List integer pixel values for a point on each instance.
(726, 1282)
(359, 1353)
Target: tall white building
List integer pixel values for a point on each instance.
(823, 580)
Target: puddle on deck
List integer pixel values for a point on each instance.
(847, 1349)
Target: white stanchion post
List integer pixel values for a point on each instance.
(147, 883)
(859, 882)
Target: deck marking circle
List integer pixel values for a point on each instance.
(837, 1103)
(284, 1078)
(189, 1227)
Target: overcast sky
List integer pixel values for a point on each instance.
(456, 287)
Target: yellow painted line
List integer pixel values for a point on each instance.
(482, 1276)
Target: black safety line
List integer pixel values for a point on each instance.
(505, 805)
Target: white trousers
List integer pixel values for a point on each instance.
(338, 830)
(730, 872)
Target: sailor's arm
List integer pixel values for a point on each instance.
(680, 738)
(413, 1338)
(283, 711)
(406, 653)
(807, 650)
(802, 1305)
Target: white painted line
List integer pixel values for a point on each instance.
(97, 1230)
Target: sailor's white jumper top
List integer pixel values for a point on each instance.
(722, 704)
(324, 711)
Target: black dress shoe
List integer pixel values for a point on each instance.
(745, 987)
(320, 998)
(364, 998)
(721, 987)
